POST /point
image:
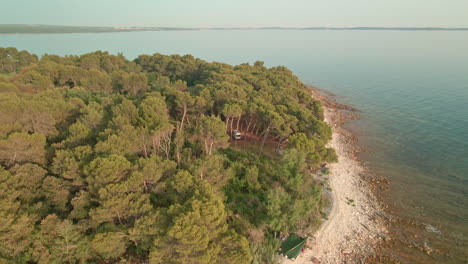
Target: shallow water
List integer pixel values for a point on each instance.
(411, 86)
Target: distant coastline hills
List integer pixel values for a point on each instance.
(53, 29)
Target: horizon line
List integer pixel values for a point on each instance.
(168, 28)
(234, 27)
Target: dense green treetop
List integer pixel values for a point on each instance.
(103, 159)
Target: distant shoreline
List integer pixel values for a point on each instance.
(52, 29)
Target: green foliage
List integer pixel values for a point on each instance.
(56, 192)
(213, 169)
(109, 245)
(69, 163)
(153, 111)
(112, 169)
(8, 87)
(211, 132)
(16, 226)
(20, 147)
(119, 205)
(61, 241)
(28, 180)
(198, 232)
(267, 251)
(108, 160)
(12, 60)
(146, 229)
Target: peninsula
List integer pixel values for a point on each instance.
(163, 159)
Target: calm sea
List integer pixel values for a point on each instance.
(410, 86)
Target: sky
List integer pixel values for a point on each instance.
(237, 13)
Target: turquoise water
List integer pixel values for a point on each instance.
(410, 86)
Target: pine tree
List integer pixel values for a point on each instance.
(103, 171)
(211, 132)
(28, 180)
(57, 193)
(22, 147)
(119, 205)
(60, 241)
(196, 233)
(109, 245)
(69, 163)
(16, 226)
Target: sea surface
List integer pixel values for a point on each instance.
(411, 88)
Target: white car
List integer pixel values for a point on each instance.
(236, 134)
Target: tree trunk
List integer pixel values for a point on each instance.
(197, 120)
(166, 144)
(232, 121)
(248, 125)
(211, 148)
(267, 131)
(206, 148)
(118, 216)
(277, 137)
(227, 123)
(183, 117)
(145, 150)
(279, 144)
(202, 172)
(256, 132)
(12, 161)
(154, 144)
(146, 186)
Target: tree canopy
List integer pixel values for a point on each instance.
(103, 159)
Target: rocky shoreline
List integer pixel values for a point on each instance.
(390, 237)
(354, 229)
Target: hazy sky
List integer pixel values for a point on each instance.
(236, 13)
